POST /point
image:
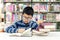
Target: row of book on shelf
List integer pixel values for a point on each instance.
(49, 17)
(31, 0)
(36, 6)
(51, 26)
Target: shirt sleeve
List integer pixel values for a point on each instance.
(12, 29)
(34, 26)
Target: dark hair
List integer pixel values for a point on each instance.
(28, 11)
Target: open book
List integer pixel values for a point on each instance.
(25, 33)
(41, 33)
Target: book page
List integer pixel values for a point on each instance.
(25, 33)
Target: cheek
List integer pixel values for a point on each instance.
(25, 20)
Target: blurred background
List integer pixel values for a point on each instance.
(46, 13)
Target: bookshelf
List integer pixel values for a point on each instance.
(44, 7)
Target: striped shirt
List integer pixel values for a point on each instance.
(20, 24)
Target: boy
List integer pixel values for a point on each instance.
(25, 23)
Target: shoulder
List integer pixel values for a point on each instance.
(18, 22)
(33, 22)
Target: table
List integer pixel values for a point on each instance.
(50, 36)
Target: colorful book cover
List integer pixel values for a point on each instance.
(22, 6)
(40, 7)
(56, 7)
(36, 7)
(7, 6)
(27, 0)
(11, 7)
(8, 17)
(37, 17)
(51, 26)
(57, 17)
(36, 0)
(1, 8)
(13, 17)
(51, 17)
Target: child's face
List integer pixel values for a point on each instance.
(27, 18)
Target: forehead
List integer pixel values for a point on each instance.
(27, 15)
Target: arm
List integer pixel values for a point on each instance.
(12, 29)
(34, 26)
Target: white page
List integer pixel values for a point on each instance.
(25, 33)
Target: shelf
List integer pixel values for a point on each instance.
(50, 12)
(42, 12)
(47, 2)
(32, 2)
(50, 2)
(17, 2)
(40, 2)
(53, 22)
(56, 2)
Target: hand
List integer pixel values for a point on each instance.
(1, 30)
(40, 21)
(21, 30)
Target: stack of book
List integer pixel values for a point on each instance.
(8, 17)
(51, 17)
(57, 7)
(22, 6)
(54, 7)
(12, 17)
(40, 7)
(11, 7)
(58, 17)
(37, 17)
(12, 13)
(51, 26)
